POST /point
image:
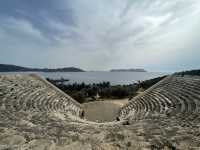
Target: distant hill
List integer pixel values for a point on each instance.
(189, 72)
(128, 70)
(14, 68)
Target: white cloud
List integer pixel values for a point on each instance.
(156, 21)
(115, 33)
(17, 28)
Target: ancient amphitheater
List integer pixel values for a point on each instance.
(36, 115)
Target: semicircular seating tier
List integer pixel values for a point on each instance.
(174, 95)
(32, 93)
(36, 115)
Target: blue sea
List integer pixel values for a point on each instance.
(115, 78)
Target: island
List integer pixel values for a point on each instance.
(14, 68)
(128, 70)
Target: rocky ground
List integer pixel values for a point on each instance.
(42, 131)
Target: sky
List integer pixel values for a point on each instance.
(157, 35)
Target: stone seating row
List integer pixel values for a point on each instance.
(24, 92)
(174, 94)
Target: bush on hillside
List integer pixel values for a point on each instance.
(88, 92)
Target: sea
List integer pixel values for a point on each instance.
(115, 78)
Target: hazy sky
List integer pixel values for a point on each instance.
(158, 35)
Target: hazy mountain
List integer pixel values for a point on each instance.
(189, 72)
(128, 70)
(14, 68)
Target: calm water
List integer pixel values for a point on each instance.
(96, 77)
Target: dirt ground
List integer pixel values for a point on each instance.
(103, 111)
